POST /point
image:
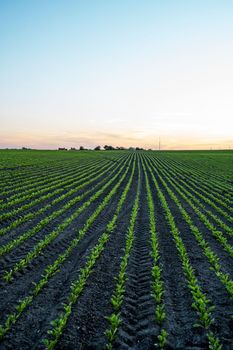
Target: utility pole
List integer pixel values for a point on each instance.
(159, 143)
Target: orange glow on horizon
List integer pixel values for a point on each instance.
(90, 140)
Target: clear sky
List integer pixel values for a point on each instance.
(122, 72)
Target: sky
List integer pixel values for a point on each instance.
(125, 73)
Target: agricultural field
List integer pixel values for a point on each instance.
(116, 250)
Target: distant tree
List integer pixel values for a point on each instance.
(81, 148)
(62, 149)
(97, 148)
(73, 149)
(108, 148)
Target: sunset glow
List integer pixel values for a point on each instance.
(124, 73)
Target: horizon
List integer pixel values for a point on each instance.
(126, 74)
(117, 148)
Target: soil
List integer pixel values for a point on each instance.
(86, 326)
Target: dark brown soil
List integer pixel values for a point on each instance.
(87, 324)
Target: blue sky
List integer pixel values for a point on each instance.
(122, 72)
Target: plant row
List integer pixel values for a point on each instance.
(119, 292)
(55, 267)
(208, 252)
(43, 243)
(38, 192)
(88, 178)
(157, 281)
(183, 185)
(210, 179)
(200, 301)
(215, 232)
(77, 286)
(205, 195)
(43, 180)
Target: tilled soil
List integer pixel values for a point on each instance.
(87, 324)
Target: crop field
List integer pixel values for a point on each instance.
(116, 250)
